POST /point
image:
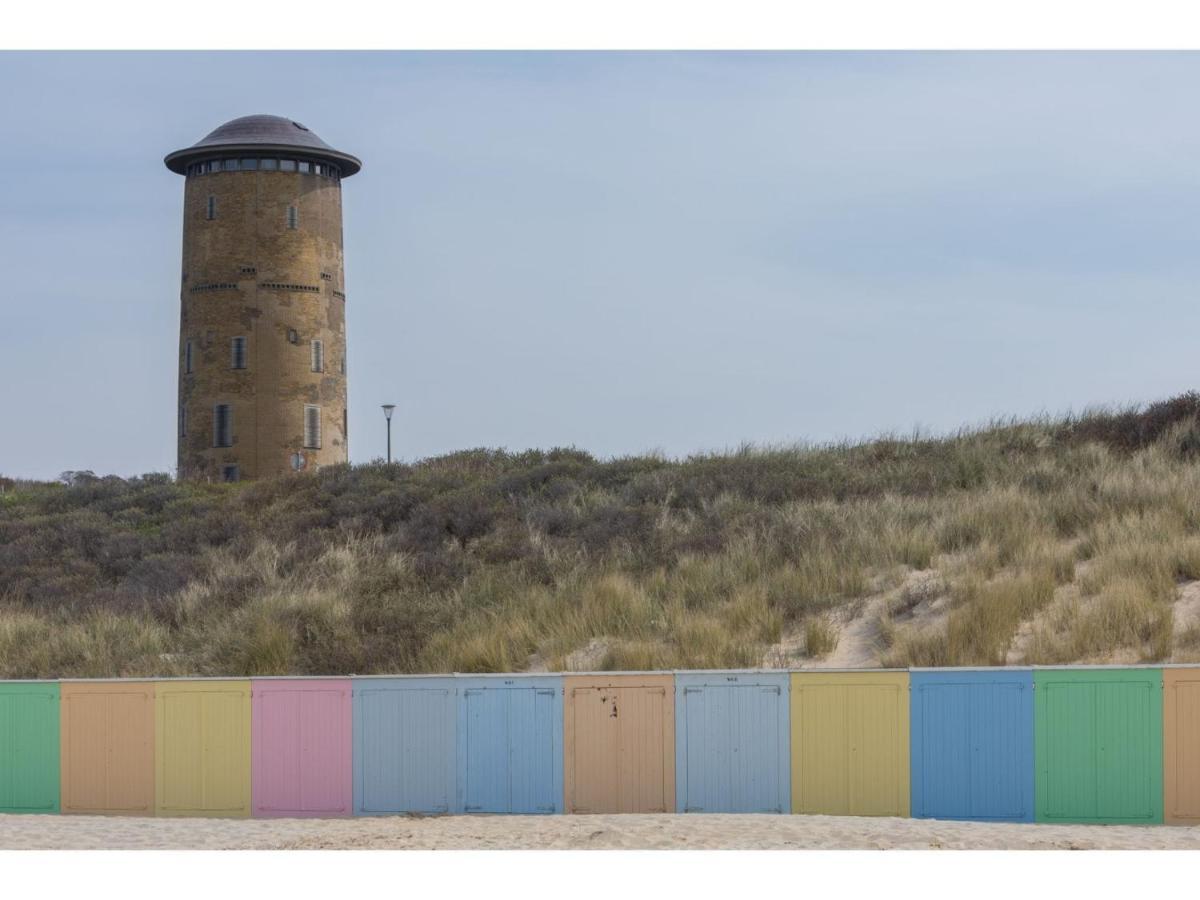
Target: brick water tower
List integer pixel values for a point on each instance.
(262, 326)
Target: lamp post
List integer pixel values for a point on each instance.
(387, 414)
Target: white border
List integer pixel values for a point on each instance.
(611, 24)
(583, 875)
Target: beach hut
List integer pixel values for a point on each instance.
(1181, 745)
(619, 743)
(972, 744)
(731, 742)
(405, 754)
(107, 747)
(1099, 745)
(510, 752)
(302, 745)
(29, 747)
(202, 748)
(850, 743)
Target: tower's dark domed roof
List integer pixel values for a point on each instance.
(258, 134)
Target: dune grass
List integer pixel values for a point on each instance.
(1078, 528)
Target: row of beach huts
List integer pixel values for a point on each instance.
(1082, 744)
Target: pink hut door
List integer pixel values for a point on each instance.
(302, 748)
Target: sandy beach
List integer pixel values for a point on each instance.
(633, 832)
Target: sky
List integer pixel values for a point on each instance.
(625, 252)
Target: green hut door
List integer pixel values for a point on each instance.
(1099, 745)
(29, 760)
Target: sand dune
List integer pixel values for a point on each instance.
(650, 832)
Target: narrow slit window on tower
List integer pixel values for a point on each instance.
(293, 217)
(312, 427)
(210, 211)
(237, 347)
(187, 358)
(183, 420)
(229, 473)
(222, 425)
(318, 356)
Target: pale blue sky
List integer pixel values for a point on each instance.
(626, 252)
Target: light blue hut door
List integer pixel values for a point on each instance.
(531, 750)
(509, 750)
(488, 751)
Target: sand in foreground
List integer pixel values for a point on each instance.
(641, 832)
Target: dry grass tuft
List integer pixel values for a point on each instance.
(820, 637)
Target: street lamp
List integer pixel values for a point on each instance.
(387, 414)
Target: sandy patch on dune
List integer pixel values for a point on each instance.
(1187, 607)
(641, 832)
(858, 639)
(919, 601)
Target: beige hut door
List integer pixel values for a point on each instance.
(595, 714)
(641, 721)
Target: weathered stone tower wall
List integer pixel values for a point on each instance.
(262, 343)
